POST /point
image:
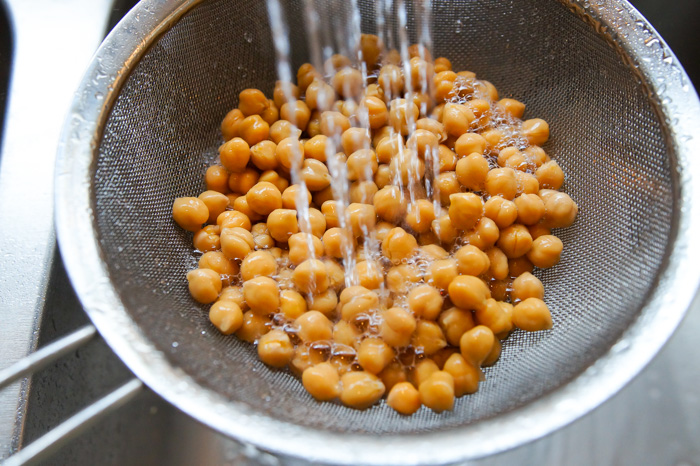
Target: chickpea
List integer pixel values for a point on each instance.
(325, 302)
(204, 285)
(422, 371)
(314, 326)
(322, 381)
(466, 376)
(282, 129)
(275, 178)
(275, 349)
(264, 197)
(532, 315)
(258, 263)
(383, 177)
(360, 389)
(407, 167)
(493, 356)
(401, 277)
(262, 295)
(397, 327)
(476, 344)
(441, 273)
(216, 179)
(234, 154)
(512, 107)
(311, 276)
(433, 252)
(216, 261)
(292, 304)
(234, 294)
(515, 241)
(207, 239)
(363, 192)
(402, 114)
(404, 398)
(315, 147)
(290, 152)
(315, 175)
(456, 118)
(233, 219)
(319, 95)
(285, 92)
(423, 142)
(527, 286)
(420, 215)
(444, 230)
(190, 213)
(297, 113)
(252, 102)
(536, 131)
(330, 212)
(382, 229)
(271, 114)
(263, 155)
(319, 197)
(425, 301)
(243, 181)
(484, 235)
(254, 326)
(362, 165)
(559, 210)
(444, 82)
(442, 64)
(432, 126)
(536, 155)
(335, 240)
(370, 273)
(362, 218)
(253, 129)
(348, 82)
(519, 266)
(502, 182)
(229, 125)
(501, 211)
(530, 208)
(332, 123)
(468, 292)
(399, 245)
(438, 392)
(471, 260)
(472, 171)
(447, 184)
(357, 300)
(429, 336)
(527, 183)
(496, 138)
(546, 251)
(498, 263)
(226, 316)
(290, 196)
(470, 143)
(377, 111)
(282, 223)
(454, 322)
(505, 154)
(494, 316)
(391, 80)
(374, 355)
(465, 210)
(550, 175)
(236, 243)
(313, 128)
(317, 221)
(422, 73)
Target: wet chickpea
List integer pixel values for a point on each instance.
(319, 96)
(538, 230)
(472, 171)
(454, 322)
(292, 304)
(420, 215)
(399, 278)
(422, 371)
(536, 155)
(480, 108)
(527, 183)
(284, 92)
(502, 182)
(216, 179)
(332, 123)
(494, 316)
(370, 274)
(443, 229)
(407, 167)
(345, 333)
(527, 286)
(471, 261)
(388, 147)
(314, 326)
(501, 211)
(313, 128)
(262, 155)
(229, 125)
(476, 344)
(252, 102)
(292, 194)
(559, 210)
(325, 302)
(357, 300)
(546, 251)
(235, 294)
(515, 241)
(393, 374)
(282, 129)
(377, 112)
(428, 335)
(505, 154)
(444, 83)
(234, 154)
(282, 223)
(496, 139)
(216, 261)
(422, 73)
(241, 206)
(253, 327)
(317, 221)
(258, 263)
(275, 349)
(322, 381)
(466, 376)
(243, 181)
(519, 266)
(536, 131)
(441, 273)
(512, 107)
(207, 239)
(363, 192)
(335, 240)
(465, 210)
(383, 177)
(271, 176)
(330, 212)
(425, 301)
(399, 245)
(397, 327)
(362, 218)
(433, 252)
(437, 392)
(315, 175)
(532, 315)
(361, 389)
(498, 263)
(470, 143)
(530, 208)
(315, 147)
(204, 285)
(233, 219)
(391, 80)
(402, 114)
(297, 113)
(423, 142)
(442, 64)
(447, 184)
(404, 398)
(290, 152)
(226, 316)
(190, 213)
(550, 175)
(253, 129)
(362, 165)
(374, 355)
(382, 229)
(264, 197)
(456, 118)
(468, 292)
(311, 276)
(354, 139)
(262, 295)
(347, 82)
(271, 114)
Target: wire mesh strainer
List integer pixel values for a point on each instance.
(145, 126)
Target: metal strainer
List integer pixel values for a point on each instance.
(624, 121)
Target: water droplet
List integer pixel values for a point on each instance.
(458, 26)
(248, 37)
(175, 344)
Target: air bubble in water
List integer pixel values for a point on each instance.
(458, 26)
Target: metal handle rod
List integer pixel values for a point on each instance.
(46, 445)
(46, 355)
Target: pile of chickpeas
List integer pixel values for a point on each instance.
(450, 207)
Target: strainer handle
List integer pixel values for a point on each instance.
(47, 444)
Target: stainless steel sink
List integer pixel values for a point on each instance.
(654, 420)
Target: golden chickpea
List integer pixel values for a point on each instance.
(494, 316)
(466, 376)
(433, 252)
(546, 251)
(506, 153)
(363, 192)
(207, 239)
(284, 92)
(465, 210)
(313, 128)
(241, 206)
(402, 114)
(236, 243)
(397, 327)
(311, 276)
(254, 326)
(444, 82)
(404, 398)
(487, 89)
(370, 274)
(512, 107)
(476, 344)
(317, 221)
(429, 336)
(190, 213)
(501, 211)
(527, 183)
(262, 155)
(319, 197)
(290, 152)
(407, 167)
(447, 160)
(262, 295)
(374, 355)
(382, 229)
(377, 111)
(550, 175)
(330, 212)
(297, 113)
(420, 215)
(401, 277)
(388, 147)
(456, 118)
(530, 208)
(275, 349)
(532, 315)
(559, 211)
(347, 82)
(425, 301)
(454, 322)
(290, 196)
(325, 302)
(422, 370)
(371, 47)
(442, 64)
(515, 241)
(258, 263)
(315, 147)
(333, 123)
(472, 171)
(299, 247)
(216, 179)
(494, 354)
(362, 165)
(519, 266)
(282, 129)
(271, 114)
(447, 184)
(234, 154)
(282, 223)
(252, 102)
(422, 73)
(423, 142)
(472, 261)
(204, 285)
(444, 230)
(314, 326)
(480, 108)
(468, 292)
(216, 261)
(319, 95)
(536, 131)
(361, 389)
(226, 316)
(243, 181)
(536, 155)
(502, 182)
(399, 245)
(427, 238)
(335, 240)
(357, 300)
(432, 126)
(391, 81)
(292, 304)
(393, 374)
(441, 273)
(496, 138)
(362, 218)
(322, 381)
(383, 177)
(345, 333)
(264, 197)
(253, 129)
(527, 286)
(315, 175)
(229, 125)
(235, 294)
(470, 143)
(233, 219)
(499, 263)
(437, 392)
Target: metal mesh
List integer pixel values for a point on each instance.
(163, 133)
